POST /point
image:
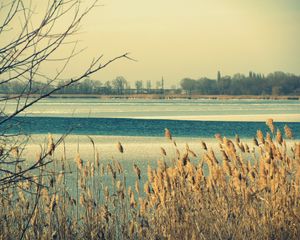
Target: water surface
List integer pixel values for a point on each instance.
(181, 109)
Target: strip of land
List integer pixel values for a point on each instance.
(160, 96)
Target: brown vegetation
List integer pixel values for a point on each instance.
(235, 192)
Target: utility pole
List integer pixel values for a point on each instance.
(219, 76)
(162, 85)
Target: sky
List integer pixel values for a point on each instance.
(191, 38)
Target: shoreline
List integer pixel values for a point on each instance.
(164, 96)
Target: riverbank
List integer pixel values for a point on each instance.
(162, 96)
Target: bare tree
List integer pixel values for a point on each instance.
(119, 84)
(28, 43)
(139, 86)
(149, 86)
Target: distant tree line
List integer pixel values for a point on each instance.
(117, 86)
(277, 83)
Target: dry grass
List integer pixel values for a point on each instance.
(234, 192)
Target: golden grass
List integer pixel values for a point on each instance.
(234, 192)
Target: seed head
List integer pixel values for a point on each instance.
(288, 132)
(120, 147)
(163, 151)
(270, 124)
(168, 134)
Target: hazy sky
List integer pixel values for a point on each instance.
(192, 38)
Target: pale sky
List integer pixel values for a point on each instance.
(192, 38)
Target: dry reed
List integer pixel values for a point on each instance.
(238, 191)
